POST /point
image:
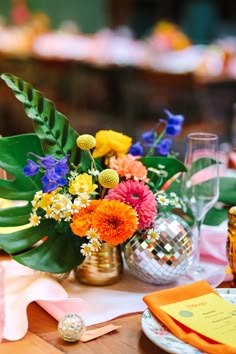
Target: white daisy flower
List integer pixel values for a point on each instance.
(95, 244)
(82, 200)
(34, 219)
(92, 234)
(86, 249)
(162, 199)
(152, 235)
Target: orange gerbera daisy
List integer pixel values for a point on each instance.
(115, 221)
(82, 220)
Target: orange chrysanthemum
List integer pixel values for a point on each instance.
(127, 166)
(115, 222)
(82, 220)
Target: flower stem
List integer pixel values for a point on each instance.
(93, 161)
(156, 141)
(103, 193)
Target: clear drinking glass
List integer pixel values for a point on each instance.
(201, 182)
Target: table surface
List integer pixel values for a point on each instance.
(42, 336)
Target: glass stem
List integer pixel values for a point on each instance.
(198, 243)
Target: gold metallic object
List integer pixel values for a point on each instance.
(104, 267)
(59, 277)
(231, 242)
(71, 327)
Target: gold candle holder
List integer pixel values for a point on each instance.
(231, 242)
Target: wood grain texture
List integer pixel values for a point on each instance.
(129, 339)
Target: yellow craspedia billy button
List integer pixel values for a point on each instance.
(86, 142)
(108, 178)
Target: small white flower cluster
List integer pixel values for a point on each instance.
(172, 199)
(93, 245)
(61, 205)
(160, 171)
(56, 205)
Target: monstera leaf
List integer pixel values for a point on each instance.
(227, 198)
(52, 127)
(14, 153)
(60, 251)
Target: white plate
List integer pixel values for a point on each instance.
(160, 335)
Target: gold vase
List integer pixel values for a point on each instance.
(104, 267)
(59, 277)
(231, 243)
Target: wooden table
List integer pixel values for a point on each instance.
(42, 336)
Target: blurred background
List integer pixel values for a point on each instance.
(116, 64)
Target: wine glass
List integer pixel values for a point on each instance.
(200, 182)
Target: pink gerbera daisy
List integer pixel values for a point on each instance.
(139, 196)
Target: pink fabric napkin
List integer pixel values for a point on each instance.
(213, 243)
(23, 286)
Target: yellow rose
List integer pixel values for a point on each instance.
(109, 141)
(82, 184)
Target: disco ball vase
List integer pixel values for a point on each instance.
(164, 258)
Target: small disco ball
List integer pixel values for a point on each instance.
(167, 257)
(71, 327)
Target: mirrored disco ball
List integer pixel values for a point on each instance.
(167, 257)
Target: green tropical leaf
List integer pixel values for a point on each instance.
(57, 136)
(215, 216)
(171, 164)
(201, 164)
(228, 190)
(20, 240)
(15, 216)
(14, 154)
(59, 253)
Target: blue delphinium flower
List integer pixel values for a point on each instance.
(31, 169)
(148, 137)
(163, 148)
(54, 171)
(50, 184)
(174, 123)
(158, 140)
(136, 149)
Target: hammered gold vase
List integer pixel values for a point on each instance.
(104, 267)
(59, 277)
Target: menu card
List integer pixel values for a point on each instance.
(209, 315)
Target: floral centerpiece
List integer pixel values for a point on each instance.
(81, 190)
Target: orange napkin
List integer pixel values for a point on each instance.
(181, 293)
